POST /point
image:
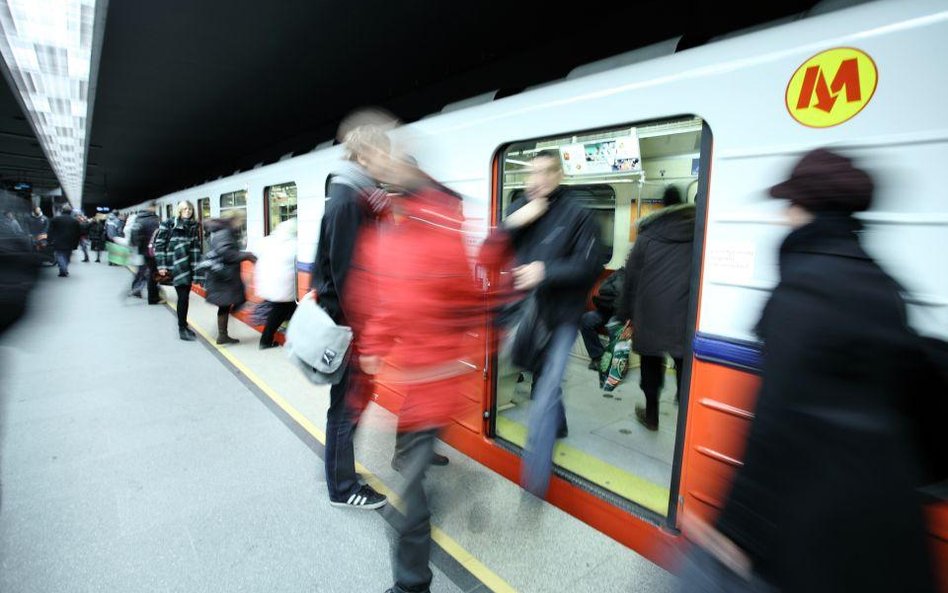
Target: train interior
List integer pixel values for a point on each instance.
(620, 174)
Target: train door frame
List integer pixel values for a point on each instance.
(670, 521)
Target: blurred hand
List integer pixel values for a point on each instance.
(717, 544)
(370, 364)
(528, 213)
(529, 275)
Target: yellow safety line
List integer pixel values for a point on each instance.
(477, 568)
(649, 495)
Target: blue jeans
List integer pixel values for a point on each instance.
(589, 328)
(341, 422)
(547, 414)
(62, 259)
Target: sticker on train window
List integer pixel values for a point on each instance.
(831, 87)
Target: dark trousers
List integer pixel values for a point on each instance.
(410, 560)
(341, 421)
(653, 379)
(150, 268)
(139, 280)
(62, 259)
(589, 329)
(279, 312)
(184, 294)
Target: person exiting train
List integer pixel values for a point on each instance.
(557, 249)
(224, 286)
(146, 223)
(177, 254)
(826, 499)
(64, 234)
(654, 297)
(354, 200)
(421, 310)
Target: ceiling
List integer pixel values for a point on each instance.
(188, 91)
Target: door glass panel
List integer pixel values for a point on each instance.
(237, 200)
(281, 204)
(620, 174)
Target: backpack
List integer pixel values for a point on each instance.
(151, 242)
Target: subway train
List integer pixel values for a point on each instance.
(723, 122)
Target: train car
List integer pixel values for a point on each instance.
(723, 122)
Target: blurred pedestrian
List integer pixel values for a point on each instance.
(97, 237)
(425, 306)
(826, 497)
(177, 253)
(224, 285)
(140, 237)
(64, 235)
(18, 271)
(275, 278)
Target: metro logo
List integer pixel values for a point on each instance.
(831, 87)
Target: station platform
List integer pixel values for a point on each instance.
(134, 461)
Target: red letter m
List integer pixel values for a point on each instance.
(814, 82)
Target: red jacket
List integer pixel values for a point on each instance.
(423, 302)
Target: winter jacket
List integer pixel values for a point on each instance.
(178, 249)
(97, 235)
(343, 220)
(609, 291)
(113, 227)
(64, 232)
(38, 224)
(421, 309)
(141, 231)
(658, 282)
(275, 270)
(566, 239)
(825, 499)
(223, 283)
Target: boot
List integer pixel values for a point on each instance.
(185, 335)
(222, 337)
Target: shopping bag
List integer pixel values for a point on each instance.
(615, 361)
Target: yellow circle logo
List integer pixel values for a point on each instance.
(831, 87)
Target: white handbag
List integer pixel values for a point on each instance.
(316, 344)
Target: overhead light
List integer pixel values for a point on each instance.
(47, 46)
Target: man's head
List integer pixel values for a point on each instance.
(546, 174)
(67, 209)
(671, 196)
(37, 211)
(824, 181)
(369, 146)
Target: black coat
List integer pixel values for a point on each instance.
(826, 499)
(97, 235)
(145, 225)
(566, 239)
(64, 232)
(658, 282)
(609, 292)
(224, 286)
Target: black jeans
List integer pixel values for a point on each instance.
(652, 379)
(184, 293)
(279, 312)
(341, 421)
(151, 267)
(413, 543)
(589, 329)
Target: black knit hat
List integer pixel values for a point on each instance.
(823, 181)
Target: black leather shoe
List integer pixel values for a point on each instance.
(642, 417)
(186, 335)
(439, 460)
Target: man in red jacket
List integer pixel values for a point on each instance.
(425, 306)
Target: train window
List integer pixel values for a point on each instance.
(169, 211)
(237, 200)
(280, 204)
(203, 213)
(620, 174)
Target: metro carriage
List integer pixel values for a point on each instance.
(722, 122)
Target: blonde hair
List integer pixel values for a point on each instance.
(360, 140)
(181, 206)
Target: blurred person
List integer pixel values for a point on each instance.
(592, 322)
(826, 499)
(557, 248)
(654, 299)
(9, 219)
(38, 223)
(97, 237)
(113, 228)
(140, 235)
(127, 239)
(417, 323)
(18, 273)
(224, 286)
(354, 202)
(84, 227)
(64, 235)
(275, 278)
(177, 253)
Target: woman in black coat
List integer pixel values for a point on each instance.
(224, 286)
(827, 499)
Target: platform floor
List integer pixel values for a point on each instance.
(133, 461)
